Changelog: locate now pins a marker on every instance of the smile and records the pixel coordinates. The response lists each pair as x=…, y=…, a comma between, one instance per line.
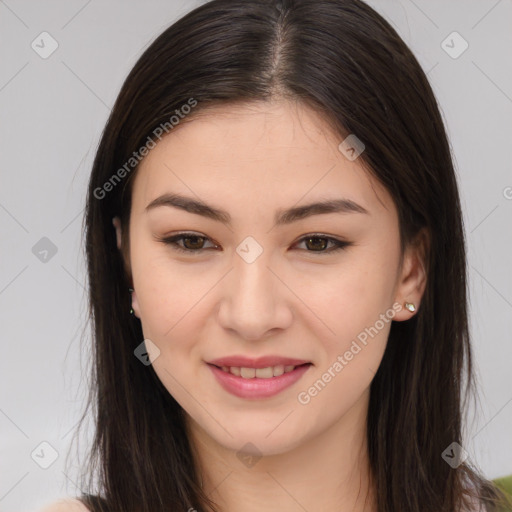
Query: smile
x=256, y=383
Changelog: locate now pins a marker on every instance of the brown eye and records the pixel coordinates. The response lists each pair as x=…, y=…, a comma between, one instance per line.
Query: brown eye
x=319, y=244
x=192, y=243
x=316, y=243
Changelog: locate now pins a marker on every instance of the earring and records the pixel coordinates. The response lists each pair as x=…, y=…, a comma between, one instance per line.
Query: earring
x=410, y=306
x=131, y=290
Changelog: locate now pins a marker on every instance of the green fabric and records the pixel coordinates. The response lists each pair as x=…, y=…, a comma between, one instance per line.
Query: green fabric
x=505, y=484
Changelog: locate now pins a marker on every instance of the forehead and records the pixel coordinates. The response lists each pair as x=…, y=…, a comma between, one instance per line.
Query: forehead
x=278, y=152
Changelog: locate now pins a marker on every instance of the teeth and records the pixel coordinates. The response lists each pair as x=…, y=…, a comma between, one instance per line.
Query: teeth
x=235, y=370
x=279, y=370
x=247, y=373
x=260, y=373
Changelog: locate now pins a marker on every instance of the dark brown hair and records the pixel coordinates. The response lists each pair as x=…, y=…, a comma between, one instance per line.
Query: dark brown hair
x=344, y=60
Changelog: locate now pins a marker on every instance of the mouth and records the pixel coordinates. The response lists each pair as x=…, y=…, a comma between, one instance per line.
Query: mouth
x=257, y=383
x=267, y=372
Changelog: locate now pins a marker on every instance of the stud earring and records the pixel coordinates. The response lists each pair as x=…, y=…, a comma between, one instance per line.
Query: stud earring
x=131, y=290
x=410, y=306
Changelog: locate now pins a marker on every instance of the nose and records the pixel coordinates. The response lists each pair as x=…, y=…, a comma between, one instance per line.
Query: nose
x=254, y=301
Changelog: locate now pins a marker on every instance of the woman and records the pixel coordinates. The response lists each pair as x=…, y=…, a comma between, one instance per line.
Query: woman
x=277, y=273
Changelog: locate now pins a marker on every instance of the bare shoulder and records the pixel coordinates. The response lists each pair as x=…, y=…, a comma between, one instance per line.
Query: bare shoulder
x=65, y=505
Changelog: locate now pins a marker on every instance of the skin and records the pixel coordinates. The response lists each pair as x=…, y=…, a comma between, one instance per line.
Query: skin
x=253, y=160
x=65, y=505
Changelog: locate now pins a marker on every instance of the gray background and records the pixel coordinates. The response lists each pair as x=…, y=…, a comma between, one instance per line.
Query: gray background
x=52, y=113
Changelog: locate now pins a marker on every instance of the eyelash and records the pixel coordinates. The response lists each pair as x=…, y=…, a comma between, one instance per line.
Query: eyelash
x=172, y=241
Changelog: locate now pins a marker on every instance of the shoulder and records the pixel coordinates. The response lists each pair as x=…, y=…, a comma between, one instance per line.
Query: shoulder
x=65, y=505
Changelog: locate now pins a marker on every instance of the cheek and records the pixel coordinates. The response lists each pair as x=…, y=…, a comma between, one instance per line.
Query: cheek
x=351, y=296
x=171, y=296
x=359, y=319
x=168, y=290
x=173, y=305
x=354, y=308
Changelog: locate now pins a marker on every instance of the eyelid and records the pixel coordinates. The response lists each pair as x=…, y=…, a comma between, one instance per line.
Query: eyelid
x=173, y=239
x=338, y=244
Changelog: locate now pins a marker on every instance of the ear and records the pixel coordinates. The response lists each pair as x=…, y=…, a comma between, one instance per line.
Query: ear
x=122, y=245
x=116, y=221
x=413, y=275
x=135, y=304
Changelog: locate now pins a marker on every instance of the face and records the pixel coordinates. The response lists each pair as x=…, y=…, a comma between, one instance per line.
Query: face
x=250, y=280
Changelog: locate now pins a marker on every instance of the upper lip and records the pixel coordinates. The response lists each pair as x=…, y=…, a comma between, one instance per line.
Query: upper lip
x=260, y=362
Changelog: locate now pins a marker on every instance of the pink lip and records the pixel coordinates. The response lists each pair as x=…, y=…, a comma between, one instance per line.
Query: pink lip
x=257, y=388
x=261, y=362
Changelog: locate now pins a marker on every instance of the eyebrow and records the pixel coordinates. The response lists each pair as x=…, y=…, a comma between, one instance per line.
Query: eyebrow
x=282, y=217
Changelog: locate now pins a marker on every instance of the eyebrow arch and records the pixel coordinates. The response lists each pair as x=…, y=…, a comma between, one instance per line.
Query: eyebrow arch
x=282, y=217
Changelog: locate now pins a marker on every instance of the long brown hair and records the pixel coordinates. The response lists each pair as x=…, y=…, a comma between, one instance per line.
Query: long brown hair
x=344, y=60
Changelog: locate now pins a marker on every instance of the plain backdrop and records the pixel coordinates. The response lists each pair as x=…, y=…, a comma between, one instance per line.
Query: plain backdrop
x=52, y=112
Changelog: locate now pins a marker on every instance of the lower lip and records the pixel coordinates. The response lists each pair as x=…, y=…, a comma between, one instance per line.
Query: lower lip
x=257, y=388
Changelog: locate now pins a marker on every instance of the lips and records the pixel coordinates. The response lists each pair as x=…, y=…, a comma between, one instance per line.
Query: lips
x=253, y=387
